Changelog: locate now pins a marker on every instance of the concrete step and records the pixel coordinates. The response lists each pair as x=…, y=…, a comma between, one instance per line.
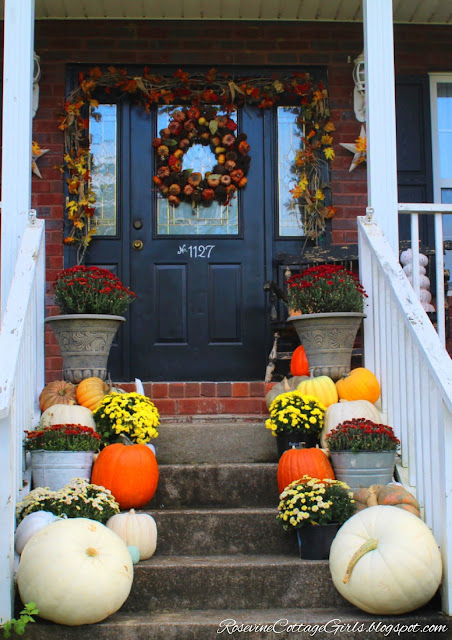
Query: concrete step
x=214, y=440
x=221, y=531
x=221, y=582
x=349, y=623
x=216, y=485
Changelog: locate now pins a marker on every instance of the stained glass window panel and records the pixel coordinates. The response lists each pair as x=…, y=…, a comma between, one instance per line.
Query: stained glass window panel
x=289, y=142
x=103, y=166
x=215, y=219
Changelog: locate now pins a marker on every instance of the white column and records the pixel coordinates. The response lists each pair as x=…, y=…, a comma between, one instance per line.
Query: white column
x=380, y=116
x=16, y=130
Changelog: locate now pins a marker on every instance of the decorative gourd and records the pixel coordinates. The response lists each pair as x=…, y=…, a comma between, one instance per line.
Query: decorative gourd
x=90, y=392
x=389, y=494
x=344, y=410
x=385, y=561
x=359, y=384
x=76, y=571
x=286, y=385
x=136, y=529
x=321, y=387
x=68, y=414
x=299, y=365
x=57, y=392
x=30, y=525
x=295, y=463
x=130, y=472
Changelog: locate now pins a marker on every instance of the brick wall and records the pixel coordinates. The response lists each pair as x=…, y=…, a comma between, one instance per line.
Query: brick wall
x=418, y=50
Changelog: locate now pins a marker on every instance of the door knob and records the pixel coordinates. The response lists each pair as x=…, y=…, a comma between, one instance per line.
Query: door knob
x=137, y=224
x=137, y=245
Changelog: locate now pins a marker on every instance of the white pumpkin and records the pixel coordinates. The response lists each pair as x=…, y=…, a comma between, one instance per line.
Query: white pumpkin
x=385, y=561
x=30, y=525
x=76, y=571
x=347, y=410
x=137, y=530
x=68, y=414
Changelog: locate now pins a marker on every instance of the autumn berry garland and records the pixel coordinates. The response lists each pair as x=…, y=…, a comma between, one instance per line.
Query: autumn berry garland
x=196, y=125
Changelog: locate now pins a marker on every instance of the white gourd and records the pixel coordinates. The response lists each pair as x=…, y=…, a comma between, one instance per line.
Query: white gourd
x=400, y=566
x=30, y=525
x=76, y=571
x=137, y=530
x=344, y=410
x=68, y=414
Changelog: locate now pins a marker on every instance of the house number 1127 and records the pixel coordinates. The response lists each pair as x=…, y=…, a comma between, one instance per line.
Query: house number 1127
x=196, y=251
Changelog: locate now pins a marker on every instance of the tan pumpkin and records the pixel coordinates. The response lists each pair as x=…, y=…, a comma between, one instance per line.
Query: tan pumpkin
x=90, y=392
x=344, y=410
x=57, y=392
x=359, y=384
x=321, y=387
x=390, y=494
x=286, y=384
x=136, y=529
x=68, y=414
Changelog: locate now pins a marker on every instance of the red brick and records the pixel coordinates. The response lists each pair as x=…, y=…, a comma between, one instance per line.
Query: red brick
x=159, y=390
x=269, y=386
x=257, y=389
x=127, y=386
x=224, y=389
x=240, y=389
x=176, y=390
x=193, y=406
x=240, y=405
x=192, y=389
x=208, y=389
x=166, y=406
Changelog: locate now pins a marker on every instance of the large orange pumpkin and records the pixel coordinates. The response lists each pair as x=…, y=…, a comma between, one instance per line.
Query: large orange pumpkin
x=130, y=472
x=90, y=392
x=359, y=384
x=299, y=365
x=295, y=463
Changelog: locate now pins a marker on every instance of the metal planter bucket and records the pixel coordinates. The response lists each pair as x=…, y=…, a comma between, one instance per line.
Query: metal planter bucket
x=54, y=469
x=328, y=340
x=364, y=468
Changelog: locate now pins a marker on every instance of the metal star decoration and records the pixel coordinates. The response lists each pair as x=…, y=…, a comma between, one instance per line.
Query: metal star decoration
x=36, y=153
x=358, y=148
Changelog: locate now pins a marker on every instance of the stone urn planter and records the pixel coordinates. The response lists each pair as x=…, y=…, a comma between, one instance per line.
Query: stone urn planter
x=85, y=341
x=328, y=340
x=364, y=468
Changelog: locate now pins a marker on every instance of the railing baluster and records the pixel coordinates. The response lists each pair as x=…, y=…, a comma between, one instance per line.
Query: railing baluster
x=415, y=252
x=439, y=260
x=404, y=391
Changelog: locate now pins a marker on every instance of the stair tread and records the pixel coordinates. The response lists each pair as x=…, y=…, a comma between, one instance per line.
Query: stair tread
x=207, y=465
x=237, y=560
x=211, y=511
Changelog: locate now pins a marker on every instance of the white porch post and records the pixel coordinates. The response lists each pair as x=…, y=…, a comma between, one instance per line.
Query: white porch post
x=16, y=131
x=380, y=116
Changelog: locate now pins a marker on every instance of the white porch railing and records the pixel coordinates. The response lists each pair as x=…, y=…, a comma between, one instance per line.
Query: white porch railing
x=21, y=380
x=403, y=349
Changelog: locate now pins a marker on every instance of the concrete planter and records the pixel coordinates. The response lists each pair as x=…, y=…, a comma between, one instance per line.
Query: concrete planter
x=328, y=340
x=364, y=468
x=84, y=341
x=54, y=469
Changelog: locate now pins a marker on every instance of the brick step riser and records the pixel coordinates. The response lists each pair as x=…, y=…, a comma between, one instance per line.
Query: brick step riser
x=215, y=442
x=215, y=585
x=227, y=486
x=221, y=533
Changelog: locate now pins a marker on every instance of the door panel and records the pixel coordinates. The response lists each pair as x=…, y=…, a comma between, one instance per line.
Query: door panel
x=199, y=313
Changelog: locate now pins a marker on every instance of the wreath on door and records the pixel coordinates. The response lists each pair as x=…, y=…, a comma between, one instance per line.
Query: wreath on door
x=196, y=125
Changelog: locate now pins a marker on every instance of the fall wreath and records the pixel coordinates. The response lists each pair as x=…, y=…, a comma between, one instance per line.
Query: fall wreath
x=195, y=125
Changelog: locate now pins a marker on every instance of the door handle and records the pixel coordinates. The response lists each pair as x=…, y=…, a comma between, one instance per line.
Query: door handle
x=137, y=245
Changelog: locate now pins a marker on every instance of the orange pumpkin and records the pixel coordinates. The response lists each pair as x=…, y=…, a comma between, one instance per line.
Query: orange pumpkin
x=90, y=392
x=295, y=463
x=130, y=472
x=390, y=494
x=57, y=392
x=299, y=365
x=359, y=384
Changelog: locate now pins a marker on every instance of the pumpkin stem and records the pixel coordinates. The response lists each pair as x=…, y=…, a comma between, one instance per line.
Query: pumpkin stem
x=91, y=552
x=125, y=440
x=286, y=384
x=369, y=545
x=372, y=498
